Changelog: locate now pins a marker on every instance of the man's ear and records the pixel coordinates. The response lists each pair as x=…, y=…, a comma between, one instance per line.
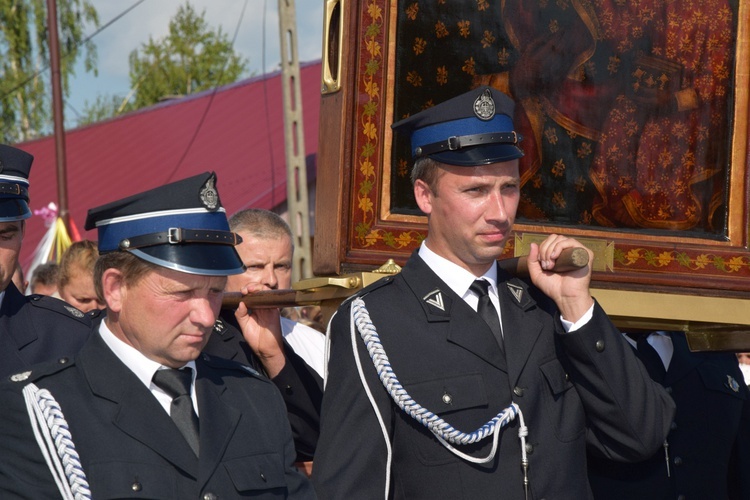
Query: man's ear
x=113, y=289
x=423, y=195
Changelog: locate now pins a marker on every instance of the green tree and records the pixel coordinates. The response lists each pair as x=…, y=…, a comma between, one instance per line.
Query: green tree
x=25, y=85
x=190, y=59
x=104, y=106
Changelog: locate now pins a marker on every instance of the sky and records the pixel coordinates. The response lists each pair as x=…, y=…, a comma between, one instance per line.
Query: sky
x=257, y=39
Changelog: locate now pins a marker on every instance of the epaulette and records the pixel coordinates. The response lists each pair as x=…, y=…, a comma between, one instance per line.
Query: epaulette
x=228, y=364
x=40, y=370
x=58, y=306
x=387, y=280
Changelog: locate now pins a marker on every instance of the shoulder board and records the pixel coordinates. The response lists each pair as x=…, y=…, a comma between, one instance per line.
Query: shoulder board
x=385, y=281
x=41, y=370
x=58, y=306
x=228, y=364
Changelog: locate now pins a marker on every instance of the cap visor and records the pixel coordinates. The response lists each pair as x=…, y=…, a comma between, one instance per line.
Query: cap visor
x=479, y=155
x=206, y=259
x=13, y=209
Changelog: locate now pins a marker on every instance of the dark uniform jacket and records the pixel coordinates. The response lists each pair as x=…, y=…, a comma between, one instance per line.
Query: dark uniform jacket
x=37, y=328
x=709, y=440
x=577, y=389
x=130, y=448
x=300, y=385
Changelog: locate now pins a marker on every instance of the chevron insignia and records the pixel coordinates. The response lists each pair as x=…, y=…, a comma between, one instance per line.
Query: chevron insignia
x=435, y=298
x=516, y=290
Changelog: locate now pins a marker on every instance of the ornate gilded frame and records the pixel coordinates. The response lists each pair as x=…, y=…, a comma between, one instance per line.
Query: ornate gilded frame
x=369, y=231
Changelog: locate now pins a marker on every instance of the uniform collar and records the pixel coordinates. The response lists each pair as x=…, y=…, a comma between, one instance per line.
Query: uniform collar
x=143, y=367
x=456, y=277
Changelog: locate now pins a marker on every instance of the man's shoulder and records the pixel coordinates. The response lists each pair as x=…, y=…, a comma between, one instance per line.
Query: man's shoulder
x=223, y=367
x=37, y=373
x=380, y=288
x=44, y=308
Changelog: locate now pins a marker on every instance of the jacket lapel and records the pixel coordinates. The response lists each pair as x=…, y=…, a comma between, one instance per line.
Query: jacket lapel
x=520, y=330
x=682, y=362
x=221, y=420
x=138, y=413
x=440, y=304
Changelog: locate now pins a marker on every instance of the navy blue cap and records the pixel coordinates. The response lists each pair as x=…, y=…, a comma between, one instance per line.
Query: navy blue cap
x=15, y=166
x=474, y=128
x=180, y=226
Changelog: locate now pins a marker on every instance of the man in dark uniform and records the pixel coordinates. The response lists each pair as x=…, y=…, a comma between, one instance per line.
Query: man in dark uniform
x=456, y=380
x=707, y=452
x=273, y=345
x=34, y=328
x=147, y=415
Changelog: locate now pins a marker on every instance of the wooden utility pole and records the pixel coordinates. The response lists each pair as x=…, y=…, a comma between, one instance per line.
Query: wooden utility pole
x=294, y=141
x=57, y=113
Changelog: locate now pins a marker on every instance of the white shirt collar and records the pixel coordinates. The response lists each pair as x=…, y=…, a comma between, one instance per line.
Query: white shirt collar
x=143, y=367
x=456, y=277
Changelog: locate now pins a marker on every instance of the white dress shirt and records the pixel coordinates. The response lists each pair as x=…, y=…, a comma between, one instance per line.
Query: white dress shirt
x=143, y=367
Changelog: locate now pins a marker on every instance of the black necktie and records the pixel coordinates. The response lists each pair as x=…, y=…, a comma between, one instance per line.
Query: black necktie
x=487, y=311
x=176, y=383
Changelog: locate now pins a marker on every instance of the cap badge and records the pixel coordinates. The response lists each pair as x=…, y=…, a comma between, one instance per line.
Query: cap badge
x=75, y=312
x=484, y=106
x=209, y=195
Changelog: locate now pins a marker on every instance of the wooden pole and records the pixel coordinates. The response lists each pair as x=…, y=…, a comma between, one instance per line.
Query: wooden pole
x=57, y=113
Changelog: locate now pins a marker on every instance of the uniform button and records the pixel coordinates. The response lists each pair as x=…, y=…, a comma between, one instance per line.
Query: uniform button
x=447, y=398
x=136, y=486
x=567, y=377
x=599, y=345
x=529, y=448
x=288, y=389
x=678, y=460
x=209, y=496
x=263, y=477
x=62, y=361
x=518, y=391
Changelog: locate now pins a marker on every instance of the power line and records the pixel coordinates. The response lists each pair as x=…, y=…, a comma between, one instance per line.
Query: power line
x=210, y=100
x=82, y=42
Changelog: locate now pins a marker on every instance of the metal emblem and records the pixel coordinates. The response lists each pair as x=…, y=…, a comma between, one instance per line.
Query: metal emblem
x=484, y=106
x=75, y=312
x=209, y=195
x=516, y=290
x=219, y=326
x=20, y=377
x=435, y=298
x=733, y=384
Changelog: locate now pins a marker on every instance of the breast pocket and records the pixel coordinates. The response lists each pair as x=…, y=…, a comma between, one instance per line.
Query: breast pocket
x=562, y=405
x=257, y=472
x=109, y=480
x=460, y=400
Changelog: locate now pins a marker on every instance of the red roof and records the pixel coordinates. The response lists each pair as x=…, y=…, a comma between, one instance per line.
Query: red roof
x=237, y=131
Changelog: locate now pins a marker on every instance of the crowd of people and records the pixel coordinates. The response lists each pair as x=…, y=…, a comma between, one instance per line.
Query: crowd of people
x=125, y=376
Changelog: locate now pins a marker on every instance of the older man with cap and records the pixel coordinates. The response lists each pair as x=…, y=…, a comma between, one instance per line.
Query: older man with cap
x=140, y=412
x=34, y=328
x=454, y=379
